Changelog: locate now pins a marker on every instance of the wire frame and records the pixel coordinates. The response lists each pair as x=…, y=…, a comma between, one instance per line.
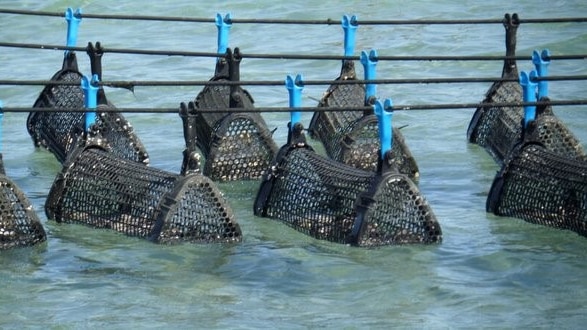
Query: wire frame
x=100, y=190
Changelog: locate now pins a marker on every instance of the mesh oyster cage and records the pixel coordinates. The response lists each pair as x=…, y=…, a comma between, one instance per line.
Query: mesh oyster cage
x=542, y=187
x=498, y=129
x=329, y=200
x=553, y=134
x=97, y=189
x=352, y=137
x=19, y=224
x=236, y=145
x=59, y=132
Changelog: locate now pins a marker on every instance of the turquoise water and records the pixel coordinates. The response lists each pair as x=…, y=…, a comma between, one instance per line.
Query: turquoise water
x=490, y=272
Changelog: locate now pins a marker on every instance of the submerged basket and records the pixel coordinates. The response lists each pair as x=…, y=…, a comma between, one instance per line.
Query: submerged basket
x=352, y=137
x=236, y=145
x=100, y=190
x=498, y=129
x=542, y=187
x=19, y=224
x=58, y=132
x=329, y=200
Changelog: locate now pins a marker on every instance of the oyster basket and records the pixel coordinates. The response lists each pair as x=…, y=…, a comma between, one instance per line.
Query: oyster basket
x=236, y=145
x=19, y=224
x=553, y=134
x=498, y=129
x=352, y=137
x=59, y=132
x=99, y=189
x=542, y=187
x=329, y=200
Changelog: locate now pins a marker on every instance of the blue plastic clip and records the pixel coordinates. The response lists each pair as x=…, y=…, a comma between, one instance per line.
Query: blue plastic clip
x=73, y=20
x=294, y=87
x=369, y=62
x=349, y=26
x=223, y=26
x=90, y=89
x=542, y=62
x=383, y=111
x=528, y=83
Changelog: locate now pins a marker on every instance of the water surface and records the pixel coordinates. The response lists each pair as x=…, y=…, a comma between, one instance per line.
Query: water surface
x=490, y=272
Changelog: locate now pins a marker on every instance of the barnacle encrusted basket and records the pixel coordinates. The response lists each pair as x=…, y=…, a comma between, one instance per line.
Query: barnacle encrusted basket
x=352, y=137
x=329, y=200
x=542, y=187
x=236, y=145
x=59, y=132
x=19, y=224
x=98, y=189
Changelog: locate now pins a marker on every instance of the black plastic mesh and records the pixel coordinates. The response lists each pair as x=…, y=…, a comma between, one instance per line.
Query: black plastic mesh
x=329, y=200
x=541, y=187
x=59, y=132
x=352, y=137
x=100, y=190
x=502, y=134
x=238, y=145
x=498, y=129
x=397, y=214
x=19, y=223
x=357, y=142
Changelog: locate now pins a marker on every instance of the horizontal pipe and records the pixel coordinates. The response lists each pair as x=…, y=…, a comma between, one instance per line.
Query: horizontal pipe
x=398, y=107
x=129, y=84
x=296, y=56
x=327, y=21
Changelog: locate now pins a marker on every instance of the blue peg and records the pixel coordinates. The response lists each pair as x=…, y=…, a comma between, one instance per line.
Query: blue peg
x=223, y=26
x=90, y=89
x=369, y=62
x=383, y=111
x=542, y=62
x=528, y=83
x=349, y=26
x=294, y=87
x=73, y=20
